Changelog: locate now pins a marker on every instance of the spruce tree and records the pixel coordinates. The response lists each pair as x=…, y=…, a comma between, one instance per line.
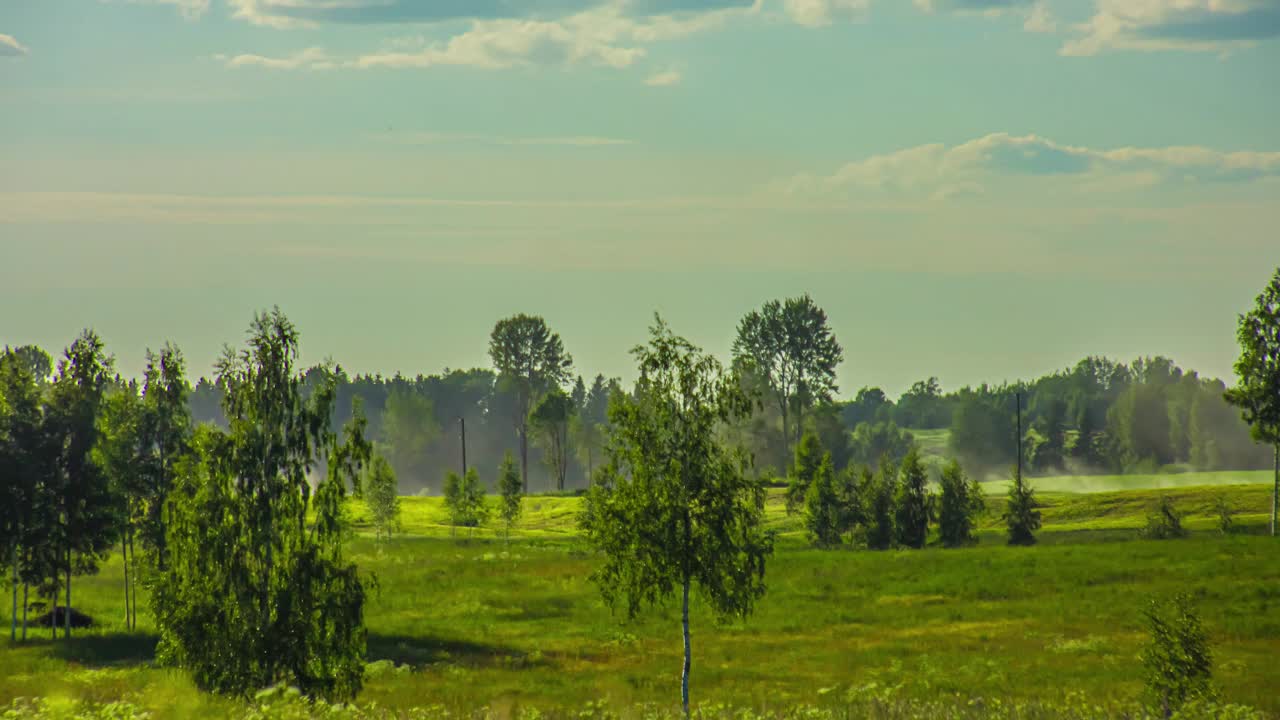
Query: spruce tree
x=959, y=504
x=808, y=460
x=822, y=510
x=879, y=499
x=911, y=502
x=1021, y=515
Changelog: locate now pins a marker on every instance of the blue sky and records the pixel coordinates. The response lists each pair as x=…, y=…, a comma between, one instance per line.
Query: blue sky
x=974, y=189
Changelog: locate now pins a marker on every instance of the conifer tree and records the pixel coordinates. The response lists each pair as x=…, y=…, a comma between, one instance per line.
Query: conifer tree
x=911, y=502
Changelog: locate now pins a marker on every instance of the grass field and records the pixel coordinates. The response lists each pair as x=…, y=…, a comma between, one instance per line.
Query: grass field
x=477, y=625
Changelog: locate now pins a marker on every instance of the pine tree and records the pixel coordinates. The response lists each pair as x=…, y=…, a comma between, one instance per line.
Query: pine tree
x=959, y=505
x=808, y=460
x=822, y=511
x=1021, y=515
x=911, y=502
x=879, y=498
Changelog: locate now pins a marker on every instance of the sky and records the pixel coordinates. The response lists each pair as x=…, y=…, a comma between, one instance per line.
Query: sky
x=978, y=190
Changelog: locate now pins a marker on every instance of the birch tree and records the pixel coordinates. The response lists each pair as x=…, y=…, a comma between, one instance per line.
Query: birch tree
x=257, y=590
x=1258, y=370
x=675, y=510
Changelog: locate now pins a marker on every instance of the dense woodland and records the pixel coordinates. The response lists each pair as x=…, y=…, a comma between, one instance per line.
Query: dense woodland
x=1097, y=416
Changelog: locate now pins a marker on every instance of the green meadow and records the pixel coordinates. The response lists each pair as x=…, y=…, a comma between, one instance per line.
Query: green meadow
x=468, y=623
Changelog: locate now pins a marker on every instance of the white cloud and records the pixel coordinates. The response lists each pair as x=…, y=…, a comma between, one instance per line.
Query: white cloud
x=313, y=58
x=1197, y=25
x=1036, y=14
x=940, y=171
x=819, y=13
x=430, y=138
x=602, y=36
x=190, y=9
x=1040, y=19
x=9, y=47
x=663, y=79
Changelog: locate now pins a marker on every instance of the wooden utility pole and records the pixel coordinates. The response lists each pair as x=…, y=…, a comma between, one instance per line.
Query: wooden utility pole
x=462, y=424
x=1018, y=399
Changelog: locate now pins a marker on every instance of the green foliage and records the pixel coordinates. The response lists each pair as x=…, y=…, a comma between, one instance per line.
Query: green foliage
x=790, y=346
x=550, y=420
x=874, y=440
x=257, y=590
x=983, y=432
x=1021, y=516
x=809, y=457
x=509, y=490
x=1226, y=515
x=1164, y=522
x=409, y=427
x=531, y=361
x=823, y=511
x=1177, y=661
x=879, y=493
x=85, y=497
x=923, y=406
x=381, y=494
x=1258, y=366
x=464, y=499
x=960, y=502
x=675, y=508
x=911, y=503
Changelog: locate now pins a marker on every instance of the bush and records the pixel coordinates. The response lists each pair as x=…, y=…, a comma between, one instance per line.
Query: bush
x=1226, y=516
x=1177, y=660
x=1164, y=522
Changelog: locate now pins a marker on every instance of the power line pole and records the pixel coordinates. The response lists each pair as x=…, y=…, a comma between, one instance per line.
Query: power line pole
x=1018, y=399
x=462, y=424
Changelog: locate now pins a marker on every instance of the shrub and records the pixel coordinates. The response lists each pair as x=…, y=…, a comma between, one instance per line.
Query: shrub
x=1177, y=660
x=1164, y=521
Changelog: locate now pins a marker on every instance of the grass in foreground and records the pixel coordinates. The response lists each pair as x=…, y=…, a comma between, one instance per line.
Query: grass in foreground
x=480, y=626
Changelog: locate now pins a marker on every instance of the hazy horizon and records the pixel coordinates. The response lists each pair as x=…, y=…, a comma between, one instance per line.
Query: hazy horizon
x=979, y=191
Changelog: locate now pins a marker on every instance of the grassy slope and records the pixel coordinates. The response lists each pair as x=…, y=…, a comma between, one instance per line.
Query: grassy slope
x=474, y=625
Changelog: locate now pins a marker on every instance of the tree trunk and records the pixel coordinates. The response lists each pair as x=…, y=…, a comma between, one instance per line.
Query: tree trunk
x=124, y=554
x=684, y=676
x=66, y=612
x=133, y=612
x=524, y=457
x=24, y=612
x=13, y=626
x=786, y=438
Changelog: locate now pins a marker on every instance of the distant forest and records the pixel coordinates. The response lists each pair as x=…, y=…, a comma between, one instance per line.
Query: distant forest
x=1098, y=416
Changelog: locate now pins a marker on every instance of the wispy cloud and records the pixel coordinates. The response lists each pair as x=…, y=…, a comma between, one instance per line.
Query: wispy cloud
x=1197, y=25
x=431, y=138
x=664, y=79
x=9, y=47
x=1037, y=17
x=312, y=58
x=190, y=9
x=820, y=13
x=951, y=171
x=604, y=36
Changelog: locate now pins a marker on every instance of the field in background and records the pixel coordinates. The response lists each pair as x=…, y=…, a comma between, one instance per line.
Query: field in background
x=477, y=624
